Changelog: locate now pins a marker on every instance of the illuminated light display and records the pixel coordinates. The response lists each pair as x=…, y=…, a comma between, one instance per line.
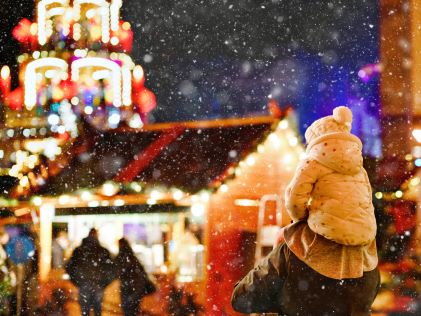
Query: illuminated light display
x=114, y=41
x=43, y=15
x=127, y=86
x=5, y=72
x=115, y=14
x=138, y=73
x=102, y=63
x=76, y=31
x=104, y=11
x=81, y=78
x=126, y=26
x=33, y=29
x=101, y=74
x=31, y=76
x=55, y=11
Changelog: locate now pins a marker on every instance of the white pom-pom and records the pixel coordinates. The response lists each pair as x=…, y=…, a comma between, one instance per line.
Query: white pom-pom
x=342, y=115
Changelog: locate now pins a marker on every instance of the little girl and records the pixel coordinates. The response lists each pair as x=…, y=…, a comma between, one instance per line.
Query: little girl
x=326, y=262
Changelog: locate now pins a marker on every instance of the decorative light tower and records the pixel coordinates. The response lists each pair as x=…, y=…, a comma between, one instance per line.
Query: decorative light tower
x=74, y=66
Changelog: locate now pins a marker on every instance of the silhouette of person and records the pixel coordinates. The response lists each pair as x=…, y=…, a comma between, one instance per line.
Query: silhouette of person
x=91, y=269
x=134, y=281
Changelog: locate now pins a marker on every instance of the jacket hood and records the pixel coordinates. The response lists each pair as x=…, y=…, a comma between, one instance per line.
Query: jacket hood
x=340, y=151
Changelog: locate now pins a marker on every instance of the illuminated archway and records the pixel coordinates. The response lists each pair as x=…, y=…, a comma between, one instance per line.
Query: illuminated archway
x=127, y=85
x=31, y=78
x=115, y=14
x=105, y=64
x=43, y=13
x=105, y=15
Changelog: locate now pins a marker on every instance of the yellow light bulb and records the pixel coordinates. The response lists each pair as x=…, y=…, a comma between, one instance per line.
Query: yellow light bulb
x=126, y=26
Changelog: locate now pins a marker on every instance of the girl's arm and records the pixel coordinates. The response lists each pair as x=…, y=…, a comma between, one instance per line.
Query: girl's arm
x=298, y=192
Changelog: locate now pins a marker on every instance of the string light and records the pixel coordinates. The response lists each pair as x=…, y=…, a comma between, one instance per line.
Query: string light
x=5, y=72
x=251, y=160
x=115, y=14
x=138, y=73
x=224, y=188
x=283, y=124
x=93, y=203
x=42, y=16
x=101, y=74
x=126, y=25
x=136, y=121
x=105, y=21
x=127, y=86
x=86, y=195
x=150, y=201
x=178, y=195
x=88, y=110
x=64, y=199
x=417, y=134
x=55, y=12
x=414, y=181
x=119, y=202
x=109, y=189
x=198, y=209
x=77, y=31
x=114, y=41
x=37, y=201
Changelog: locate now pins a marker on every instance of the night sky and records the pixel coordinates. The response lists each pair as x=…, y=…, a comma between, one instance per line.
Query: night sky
x=222, y=58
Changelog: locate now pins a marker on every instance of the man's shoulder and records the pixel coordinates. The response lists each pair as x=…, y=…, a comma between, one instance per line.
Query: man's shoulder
x=104, y=251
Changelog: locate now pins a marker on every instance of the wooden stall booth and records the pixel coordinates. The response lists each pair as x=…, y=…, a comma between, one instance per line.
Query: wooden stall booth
x=167, y=171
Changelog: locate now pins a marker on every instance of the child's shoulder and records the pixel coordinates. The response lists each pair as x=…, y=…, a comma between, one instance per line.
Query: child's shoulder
x=313, y=164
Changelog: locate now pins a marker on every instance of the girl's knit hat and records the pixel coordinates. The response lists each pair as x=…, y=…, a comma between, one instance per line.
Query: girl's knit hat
x=340, y=121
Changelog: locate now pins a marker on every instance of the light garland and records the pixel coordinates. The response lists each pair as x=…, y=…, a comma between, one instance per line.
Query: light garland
x=127, y=86
x=5, y=72
x=104, y=11
x=103, y=63
x=115, y=14
x=101, y=74
x=42, y=18
x=55, y=12
x=277, y=140
x=138, y=73
x=31, y=76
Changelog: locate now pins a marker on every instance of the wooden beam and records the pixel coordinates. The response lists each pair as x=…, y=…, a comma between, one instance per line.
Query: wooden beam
x=203, y=124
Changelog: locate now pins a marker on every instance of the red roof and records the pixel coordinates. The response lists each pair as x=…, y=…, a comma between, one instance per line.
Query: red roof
x=189, y=155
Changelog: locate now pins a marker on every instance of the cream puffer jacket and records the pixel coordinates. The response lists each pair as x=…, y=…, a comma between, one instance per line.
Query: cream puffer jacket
x=332, y=189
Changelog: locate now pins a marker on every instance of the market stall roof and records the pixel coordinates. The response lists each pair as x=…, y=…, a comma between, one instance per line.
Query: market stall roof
x=187, y=155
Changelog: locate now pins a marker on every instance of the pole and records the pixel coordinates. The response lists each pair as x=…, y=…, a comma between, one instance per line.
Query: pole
x=19, y=284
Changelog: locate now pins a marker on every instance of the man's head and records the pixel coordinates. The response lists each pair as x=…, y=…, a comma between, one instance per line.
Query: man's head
x=93, y=233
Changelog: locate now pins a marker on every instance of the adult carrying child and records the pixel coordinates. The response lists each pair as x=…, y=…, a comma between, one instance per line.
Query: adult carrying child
x=326, y=260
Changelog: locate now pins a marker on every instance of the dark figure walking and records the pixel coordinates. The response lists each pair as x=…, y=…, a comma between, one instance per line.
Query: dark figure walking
x=134, y=281
x=91, y=269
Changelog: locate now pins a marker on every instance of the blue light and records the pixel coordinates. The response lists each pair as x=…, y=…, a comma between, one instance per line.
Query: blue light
x=418, y=162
